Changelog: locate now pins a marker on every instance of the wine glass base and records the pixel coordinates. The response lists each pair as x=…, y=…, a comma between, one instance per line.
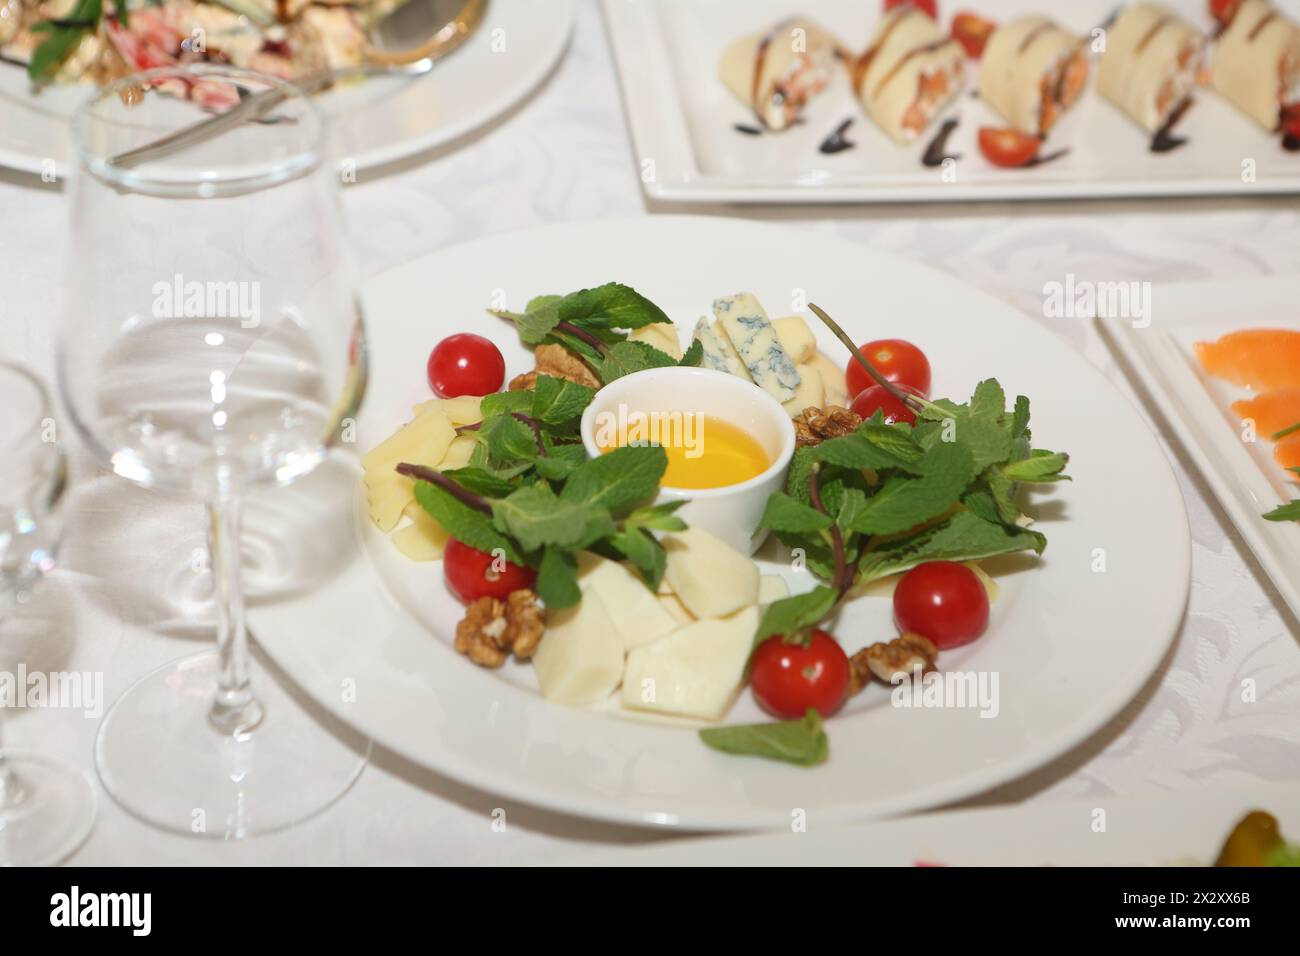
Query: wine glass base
x=163, y=761
x=50, y=815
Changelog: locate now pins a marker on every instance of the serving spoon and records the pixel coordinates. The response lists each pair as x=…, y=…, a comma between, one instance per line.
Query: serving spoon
x=405, y=42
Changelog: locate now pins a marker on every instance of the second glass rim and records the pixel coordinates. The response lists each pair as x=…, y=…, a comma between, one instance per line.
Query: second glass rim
x=200, y=185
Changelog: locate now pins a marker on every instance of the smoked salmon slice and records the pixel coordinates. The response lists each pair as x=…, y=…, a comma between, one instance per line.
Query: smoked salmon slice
x=1257, y=358
x=1271, y=411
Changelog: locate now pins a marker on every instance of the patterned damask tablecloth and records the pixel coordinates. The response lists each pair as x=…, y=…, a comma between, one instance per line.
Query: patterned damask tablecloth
x=118, y=605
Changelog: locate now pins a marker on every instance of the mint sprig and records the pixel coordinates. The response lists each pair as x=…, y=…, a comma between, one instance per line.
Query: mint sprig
x=802, y=742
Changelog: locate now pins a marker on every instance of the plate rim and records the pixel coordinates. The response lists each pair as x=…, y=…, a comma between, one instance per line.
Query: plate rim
x=942, y=792
x=373, y=159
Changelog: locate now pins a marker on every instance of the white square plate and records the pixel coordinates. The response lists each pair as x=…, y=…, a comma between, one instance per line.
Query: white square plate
x=1198, y=407
x=688, y=150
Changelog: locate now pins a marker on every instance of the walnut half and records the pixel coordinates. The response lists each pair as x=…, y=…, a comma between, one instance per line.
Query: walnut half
x=816, y=425
x=909, y=654
x=492, y=630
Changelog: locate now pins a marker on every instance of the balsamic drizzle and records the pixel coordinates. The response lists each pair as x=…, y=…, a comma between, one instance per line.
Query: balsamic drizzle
x=836, y=142
x=1164, y=140
x=936, y=154
x=1044, y=158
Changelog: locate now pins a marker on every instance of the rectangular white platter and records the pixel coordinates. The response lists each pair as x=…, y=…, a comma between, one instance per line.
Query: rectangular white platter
x=683, y=120
x=1243, y=475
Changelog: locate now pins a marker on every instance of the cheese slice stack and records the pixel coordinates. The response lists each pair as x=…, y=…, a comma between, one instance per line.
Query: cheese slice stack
x=909, y=72
x=1151, y=63
x=1033, y=71
x=1257, y=62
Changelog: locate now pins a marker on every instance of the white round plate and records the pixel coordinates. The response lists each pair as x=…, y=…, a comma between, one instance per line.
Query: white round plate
x=1073, y=638
x=376, y=121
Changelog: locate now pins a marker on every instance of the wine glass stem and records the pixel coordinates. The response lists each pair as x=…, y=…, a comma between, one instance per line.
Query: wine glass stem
x=235, y=710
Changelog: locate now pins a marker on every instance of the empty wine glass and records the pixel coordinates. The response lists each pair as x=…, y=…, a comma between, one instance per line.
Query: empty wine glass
x=212, y=342
x=46, y=807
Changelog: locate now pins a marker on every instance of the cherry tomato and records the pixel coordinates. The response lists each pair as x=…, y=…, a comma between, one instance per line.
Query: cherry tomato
x=1224, y=10
x=898, y=361
x=972, y=31
x=788, y=678
x=472, y=574
x=930, y=7
x=877, y=399
x=943, y=601
x=1008, y=147
x=1290, y=118
x=465, y=364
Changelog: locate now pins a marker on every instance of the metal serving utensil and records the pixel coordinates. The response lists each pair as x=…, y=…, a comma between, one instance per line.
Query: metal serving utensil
x=406, y=42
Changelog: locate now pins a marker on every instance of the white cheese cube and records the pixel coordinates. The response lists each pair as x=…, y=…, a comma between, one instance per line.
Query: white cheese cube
x=580, y=659
x=833, y=381
x=710, y=577
x=638, y=616
x=772, y=588
x=809, y=394
x=674, y=606
x=695, y=671
x=661, y=335
x=796, y=338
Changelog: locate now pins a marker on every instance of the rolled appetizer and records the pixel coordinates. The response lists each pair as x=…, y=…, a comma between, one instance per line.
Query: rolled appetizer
x=1257, y=62
x=911, y=70
x=1033, y=72
x=777, y=72
x=1150, y=68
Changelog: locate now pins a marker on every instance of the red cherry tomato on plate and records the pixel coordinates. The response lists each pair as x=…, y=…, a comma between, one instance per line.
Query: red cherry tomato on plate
x=465, y=364
x=1008, y=148
x=1291, y=120
x=972, y=31
x=878, y=399
x=787, y=679
x=943, y=601
x=896, y=360
x=930, y=7
x=472, y=574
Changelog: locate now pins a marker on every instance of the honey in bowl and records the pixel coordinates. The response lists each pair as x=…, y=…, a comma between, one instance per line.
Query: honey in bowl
x=707, y=452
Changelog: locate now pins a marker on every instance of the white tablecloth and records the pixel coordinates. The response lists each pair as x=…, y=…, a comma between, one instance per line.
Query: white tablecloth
x=564, y=154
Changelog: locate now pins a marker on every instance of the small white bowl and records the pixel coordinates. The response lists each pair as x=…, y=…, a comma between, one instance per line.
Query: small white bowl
x=732, y=512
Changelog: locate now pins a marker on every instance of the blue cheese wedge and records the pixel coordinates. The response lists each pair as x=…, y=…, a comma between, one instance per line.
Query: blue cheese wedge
x=718, y=353
x=742, y=319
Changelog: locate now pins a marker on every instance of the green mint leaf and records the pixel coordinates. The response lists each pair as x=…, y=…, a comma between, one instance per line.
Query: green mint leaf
x=872, y=446
x=560, y=461
x=557, y=579
x=788, y=516
x=801, y=466
x=853, y=502
x=790, y=615
x=646, y=554
x=480, y=481
x=989, y=400
x=802, y=742
x=557, y=400
x=1284, y=854
x=536, y=517
x=1040, y=466
x=464, y=523
x=982, y=504
x=658, y=517
x=610, y=306
x=1289, y=512
x=1003, y=491
x=625, y=358
x=904, y=503
x=504, y=403
x=1020, y=418
x=623, y=477
x=693, y=354
x=537, y=323
x=49, y=56
x=963, y=537
x=579, y=347
x=507, y=439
